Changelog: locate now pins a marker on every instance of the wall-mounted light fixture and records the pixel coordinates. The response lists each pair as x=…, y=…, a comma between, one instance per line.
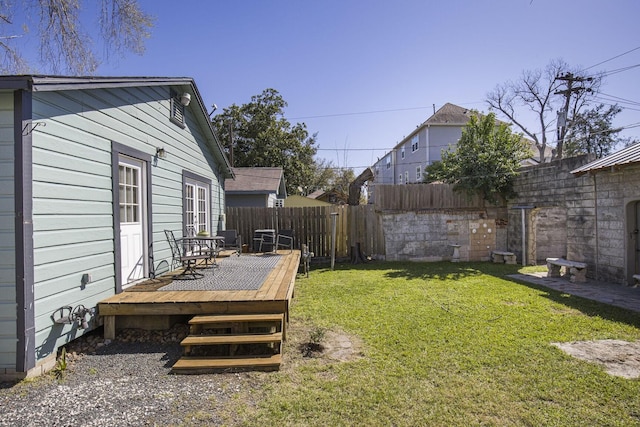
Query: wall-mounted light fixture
x=185, y=99
x=161, y=153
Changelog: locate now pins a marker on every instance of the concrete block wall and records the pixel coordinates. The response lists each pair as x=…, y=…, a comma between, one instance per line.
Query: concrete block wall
x=428, y=235
x=588, y=218
x=617, y=193
x=557, y=204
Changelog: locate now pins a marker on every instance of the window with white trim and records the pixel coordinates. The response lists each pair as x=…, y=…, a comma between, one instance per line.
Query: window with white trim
x=406, y=177
x=400, y=179
x=389, y=162
x=402, y=152
x=419, y=174
x=414, y=143
x=196, y=205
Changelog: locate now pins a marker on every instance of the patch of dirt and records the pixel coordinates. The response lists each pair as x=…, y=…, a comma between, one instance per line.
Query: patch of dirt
x=335, y=346
x=342, y=347
x=619, y=358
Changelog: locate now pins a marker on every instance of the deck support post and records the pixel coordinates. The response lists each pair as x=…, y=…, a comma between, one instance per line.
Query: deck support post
x=109, y=327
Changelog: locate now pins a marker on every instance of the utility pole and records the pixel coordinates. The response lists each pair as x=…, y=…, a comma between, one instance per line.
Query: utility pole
x=563, y=115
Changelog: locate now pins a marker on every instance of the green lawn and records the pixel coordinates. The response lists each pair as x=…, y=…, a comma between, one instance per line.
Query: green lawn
x=445, y=345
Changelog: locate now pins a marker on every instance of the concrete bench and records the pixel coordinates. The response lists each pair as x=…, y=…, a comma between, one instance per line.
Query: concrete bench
x=502, y=257
x=577, y=271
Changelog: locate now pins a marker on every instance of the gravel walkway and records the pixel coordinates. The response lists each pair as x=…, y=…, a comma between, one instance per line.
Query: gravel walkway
x=121, y=383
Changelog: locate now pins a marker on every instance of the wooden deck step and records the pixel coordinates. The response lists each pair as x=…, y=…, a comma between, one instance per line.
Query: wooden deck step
x=196, y=365
x=266, y=320
x=192, y=340
x=226, y=318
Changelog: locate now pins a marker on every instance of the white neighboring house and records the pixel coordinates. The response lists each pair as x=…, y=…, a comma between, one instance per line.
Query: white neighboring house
x=406, y=162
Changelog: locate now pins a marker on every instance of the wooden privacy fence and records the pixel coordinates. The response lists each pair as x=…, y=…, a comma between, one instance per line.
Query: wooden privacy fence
x=313, y=226
x=412, y=197
x=354, y=224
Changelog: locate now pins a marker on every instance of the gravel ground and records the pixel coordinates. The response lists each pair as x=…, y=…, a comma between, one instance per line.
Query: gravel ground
x=121, y=383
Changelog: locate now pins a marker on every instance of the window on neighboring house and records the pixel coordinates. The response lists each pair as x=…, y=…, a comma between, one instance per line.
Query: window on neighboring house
x=406, y=177
x=279, y=203
x=176, y=110
x=400, y=179
x=419, y=174
x=414, y=143
x=388, y=162
x=402, y=152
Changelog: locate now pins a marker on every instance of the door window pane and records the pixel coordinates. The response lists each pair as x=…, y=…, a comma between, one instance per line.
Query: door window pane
x=129, y=193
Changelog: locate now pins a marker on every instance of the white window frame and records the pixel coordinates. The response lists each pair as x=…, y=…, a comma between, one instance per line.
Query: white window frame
x=388, y=162
x=406, y=177
x=415, y=143
x=400, y=179
x=197, y=205
x=402, y=152
x=418, y=173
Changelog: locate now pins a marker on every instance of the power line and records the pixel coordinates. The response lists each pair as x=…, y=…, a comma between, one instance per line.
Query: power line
x=619, y=99
x=375, y=111
x=611, y=59
x=357, y=113
x=354, y=149
x=608, y=102
x=619, y=70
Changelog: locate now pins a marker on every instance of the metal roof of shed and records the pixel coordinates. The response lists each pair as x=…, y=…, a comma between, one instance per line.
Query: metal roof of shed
x=625, y=156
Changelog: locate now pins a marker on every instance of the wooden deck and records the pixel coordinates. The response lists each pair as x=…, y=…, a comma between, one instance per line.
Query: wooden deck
x=273, y=297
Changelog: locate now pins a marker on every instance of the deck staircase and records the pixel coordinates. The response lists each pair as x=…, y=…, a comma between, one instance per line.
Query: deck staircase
x=232, y=341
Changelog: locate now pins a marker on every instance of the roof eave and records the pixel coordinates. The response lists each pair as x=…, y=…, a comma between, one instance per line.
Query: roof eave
x=44, y=83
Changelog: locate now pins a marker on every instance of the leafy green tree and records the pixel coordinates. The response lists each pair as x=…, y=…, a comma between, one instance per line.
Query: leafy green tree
x=341, y=180
x=434, y=172
x=64, y=45
x=262, y=137
x=485, y=160
x=591, y=132
x=323, y=175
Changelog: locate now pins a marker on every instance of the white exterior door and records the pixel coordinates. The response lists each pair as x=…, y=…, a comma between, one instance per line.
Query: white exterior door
x=196, y=203
x=132, y=188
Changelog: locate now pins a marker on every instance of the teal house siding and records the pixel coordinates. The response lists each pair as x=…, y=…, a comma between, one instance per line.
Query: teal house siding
x=81, y=130
x=8, y=337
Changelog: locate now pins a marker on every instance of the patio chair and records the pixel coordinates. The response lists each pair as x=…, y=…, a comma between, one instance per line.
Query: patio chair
x=285, y=239
x=264, y=240
x=203, y=244
x=232, y=240
x=183, y=256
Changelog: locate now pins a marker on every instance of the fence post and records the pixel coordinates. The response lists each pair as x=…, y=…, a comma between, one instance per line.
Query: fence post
x=333, y=238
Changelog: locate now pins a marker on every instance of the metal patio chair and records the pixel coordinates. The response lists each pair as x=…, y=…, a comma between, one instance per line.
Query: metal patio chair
x=232, y=241
x=184, y=256
x=285, y=239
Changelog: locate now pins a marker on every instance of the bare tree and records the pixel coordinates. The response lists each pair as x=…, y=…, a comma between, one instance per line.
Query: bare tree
x=64, y=45
x=540, y=92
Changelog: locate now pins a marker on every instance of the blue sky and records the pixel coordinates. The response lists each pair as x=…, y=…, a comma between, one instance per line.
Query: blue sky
x=363, y=74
